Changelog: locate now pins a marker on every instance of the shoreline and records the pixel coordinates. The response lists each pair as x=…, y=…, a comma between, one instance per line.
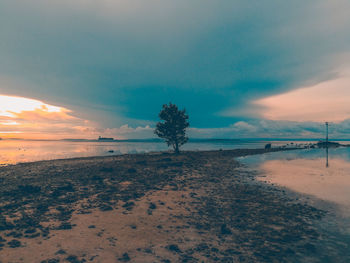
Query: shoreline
x=161, y=207
x=235, y=152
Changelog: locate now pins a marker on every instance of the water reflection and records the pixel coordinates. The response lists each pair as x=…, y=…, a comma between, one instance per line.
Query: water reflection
x=323, y=173
x=15, y=151
x=310, y=177
x=12, y=152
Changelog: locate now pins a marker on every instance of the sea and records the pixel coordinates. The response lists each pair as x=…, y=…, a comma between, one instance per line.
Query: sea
x=321, y=175
x=19, y=151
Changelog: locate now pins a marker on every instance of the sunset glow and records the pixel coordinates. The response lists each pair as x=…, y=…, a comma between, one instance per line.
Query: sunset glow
x=9, y=105
x=326, y=101
x=34, y=119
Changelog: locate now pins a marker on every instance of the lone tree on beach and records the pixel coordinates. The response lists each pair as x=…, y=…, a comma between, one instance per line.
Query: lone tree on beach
x=173, y=127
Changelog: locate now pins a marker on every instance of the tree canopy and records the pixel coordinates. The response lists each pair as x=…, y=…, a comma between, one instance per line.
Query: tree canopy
x=172, y=126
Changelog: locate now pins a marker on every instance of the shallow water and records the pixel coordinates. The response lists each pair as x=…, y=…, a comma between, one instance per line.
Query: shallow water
x=314, y=172
x=16, y=151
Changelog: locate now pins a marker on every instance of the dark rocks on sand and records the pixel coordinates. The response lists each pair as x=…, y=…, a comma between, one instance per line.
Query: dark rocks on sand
x=152, y=206
x=64, y=226
x=74, y=259
x=107, y=169
x=132, y=170
x=105, y=207
x=173, y=248
x=165, y=160
x=124, y=258
x=225, y=230
x=30, y=230
x=29, y=189
x=14, y=243
x=15, y=234
x=4, y=224
x=60, y=252
x=129, y=205
x=51, y=260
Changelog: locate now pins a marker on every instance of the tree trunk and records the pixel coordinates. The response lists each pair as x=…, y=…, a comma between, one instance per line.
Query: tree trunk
x=176, y=148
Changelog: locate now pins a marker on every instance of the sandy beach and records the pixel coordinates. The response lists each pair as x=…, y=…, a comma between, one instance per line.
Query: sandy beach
x=159, y=207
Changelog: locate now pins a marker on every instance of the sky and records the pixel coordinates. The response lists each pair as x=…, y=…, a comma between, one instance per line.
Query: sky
x=242, y=69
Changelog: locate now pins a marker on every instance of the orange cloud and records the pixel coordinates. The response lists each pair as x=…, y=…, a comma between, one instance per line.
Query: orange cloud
x=326, y=101
x=36, y=119
x=43, y=114
x=33, y=119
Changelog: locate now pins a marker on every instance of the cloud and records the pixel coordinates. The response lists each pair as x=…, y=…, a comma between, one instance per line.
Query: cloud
x=275, y=129
x=117, y=62
x=43, y=115
x=127, y=132
x=33, y=118
x=326, y=101
x=272, y=129
x=29, y=118
x=243, y=126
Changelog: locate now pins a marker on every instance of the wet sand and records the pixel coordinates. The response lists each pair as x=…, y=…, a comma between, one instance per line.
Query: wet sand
x=194, y=207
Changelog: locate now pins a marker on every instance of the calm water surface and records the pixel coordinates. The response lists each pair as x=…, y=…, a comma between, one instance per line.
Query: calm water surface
x=312, y=172
x=16, y=151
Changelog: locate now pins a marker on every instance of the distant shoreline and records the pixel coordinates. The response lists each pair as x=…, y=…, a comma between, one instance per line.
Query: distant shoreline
x=15, y=151
x=191, y=140
x=234, y=153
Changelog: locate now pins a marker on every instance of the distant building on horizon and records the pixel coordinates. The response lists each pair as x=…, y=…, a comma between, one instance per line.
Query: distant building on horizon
x=105, y=139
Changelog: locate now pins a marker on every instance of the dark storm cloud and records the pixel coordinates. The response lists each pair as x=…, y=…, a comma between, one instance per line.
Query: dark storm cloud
x=117, y=62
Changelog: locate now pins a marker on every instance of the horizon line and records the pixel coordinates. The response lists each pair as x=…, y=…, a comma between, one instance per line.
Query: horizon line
x=190, y=139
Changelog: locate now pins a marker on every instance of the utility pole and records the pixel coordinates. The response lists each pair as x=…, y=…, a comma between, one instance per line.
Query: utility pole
x=327, y=164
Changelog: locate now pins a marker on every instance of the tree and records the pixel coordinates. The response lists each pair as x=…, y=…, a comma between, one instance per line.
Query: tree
x=173, y=127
